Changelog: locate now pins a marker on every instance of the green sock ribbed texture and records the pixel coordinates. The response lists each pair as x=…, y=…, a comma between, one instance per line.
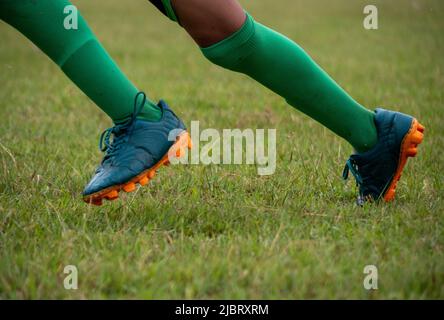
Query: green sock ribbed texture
x=284, y=67
x=78, y=53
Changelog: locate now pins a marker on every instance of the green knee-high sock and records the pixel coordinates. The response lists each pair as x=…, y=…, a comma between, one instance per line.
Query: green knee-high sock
x=281, y=65
x=78, y=53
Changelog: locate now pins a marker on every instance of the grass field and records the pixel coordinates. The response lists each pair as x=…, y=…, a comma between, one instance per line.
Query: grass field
x=223, y=231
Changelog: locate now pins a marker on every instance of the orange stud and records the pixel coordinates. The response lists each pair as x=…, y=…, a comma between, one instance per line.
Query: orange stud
x=96, y=202
x=129, y=187
x=166, y=163
x=190, y=143
x=417, y=137
x=412, y=152
x=151, y=174
x=112, y=195
x=144, y=181
x=421, y=128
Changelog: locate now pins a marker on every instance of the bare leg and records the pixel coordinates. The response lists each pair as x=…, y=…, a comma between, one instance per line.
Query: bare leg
x=209, y=21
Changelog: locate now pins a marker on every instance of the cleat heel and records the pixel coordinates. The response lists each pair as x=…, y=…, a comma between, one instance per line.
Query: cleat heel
x=408, y=150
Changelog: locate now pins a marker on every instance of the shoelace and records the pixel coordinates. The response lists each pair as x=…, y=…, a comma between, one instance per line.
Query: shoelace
x=351, y=166
x=105, y=144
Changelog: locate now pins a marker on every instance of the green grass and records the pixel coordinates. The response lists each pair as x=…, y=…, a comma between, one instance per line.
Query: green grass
x=223, y=231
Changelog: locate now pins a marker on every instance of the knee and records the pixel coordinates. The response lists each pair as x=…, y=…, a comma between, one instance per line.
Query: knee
x=232, y=51
x=209, y=22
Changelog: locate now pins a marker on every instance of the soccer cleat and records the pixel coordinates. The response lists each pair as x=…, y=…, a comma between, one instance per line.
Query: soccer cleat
x=378, y=170
x=138, y=148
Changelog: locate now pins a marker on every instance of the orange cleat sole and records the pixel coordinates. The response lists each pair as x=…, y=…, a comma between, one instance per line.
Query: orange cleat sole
x=409, y=148
x=177, y=150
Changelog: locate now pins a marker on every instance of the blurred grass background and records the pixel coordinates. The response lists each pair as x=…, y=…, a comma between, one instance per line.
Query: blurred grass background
x=218, y=231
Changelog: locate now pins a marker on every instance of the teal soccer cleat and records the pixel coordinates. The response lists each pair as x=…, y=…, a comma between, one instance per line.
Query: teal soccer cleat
x=378, y=170
x=137, y=150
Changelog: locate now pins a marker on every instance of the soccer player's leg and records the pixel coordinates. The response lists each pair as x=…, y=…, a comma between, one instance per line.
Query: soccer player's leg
x=140, y=142
x=231, y=38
